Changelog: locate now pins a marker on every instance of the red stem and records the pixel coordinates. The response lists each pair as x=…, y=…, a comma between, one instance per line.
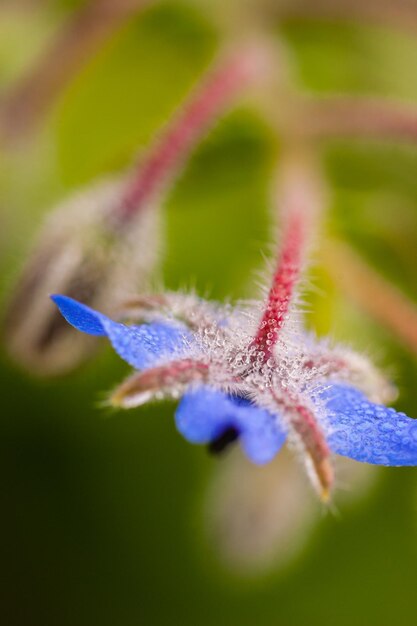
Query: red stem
x=174, y=145
x=300, y=201
x=283, y=283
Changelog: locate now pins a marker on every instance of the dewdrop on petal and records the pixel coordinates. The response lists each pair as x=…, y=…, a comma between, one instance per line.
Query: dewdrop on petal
x=81, y=253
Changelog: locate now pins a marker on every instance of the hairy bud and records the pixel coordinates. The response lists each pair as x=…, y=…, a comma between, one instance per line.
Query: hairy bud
x=261, y=518
x=79, y=252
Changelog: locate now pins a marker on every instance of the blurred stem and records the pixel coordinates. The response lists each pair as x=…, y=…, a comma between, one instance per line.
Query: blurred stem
x=214, y=93
x=74, y=44
x=358, y=116
x=243, y=14
x=18, y=6
x=300, y=118
x=398, y=14
x=376, y=296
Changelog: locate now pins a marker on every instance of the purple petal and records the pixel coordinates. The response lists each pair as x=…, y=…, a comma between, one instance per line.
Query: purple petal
x=368, y=432
x=205, y=414
x=140, y=345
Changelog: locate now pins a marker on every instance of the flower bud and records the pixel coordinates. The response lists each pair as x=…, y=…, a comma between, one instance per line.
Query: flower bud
x=79, y=253
x=261, y=517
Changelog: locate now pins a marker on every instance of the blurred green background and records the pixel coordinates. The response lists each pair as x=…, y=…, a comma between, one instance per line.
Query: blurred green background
x=101, y=517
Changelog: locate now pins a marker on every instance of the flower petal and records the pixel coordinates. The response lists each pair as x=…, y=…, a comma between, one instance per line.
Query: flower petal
x=80, y=316
x=204, y=414
x=368, y=432
x=140, y=346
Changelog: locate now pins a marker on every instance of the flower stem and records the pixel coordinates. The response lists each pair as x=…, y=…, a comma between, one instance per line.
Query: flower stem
x=401, y=14
x=299, y=200
x=205, y=104
x=365, y=117
x=284, y=281
x=73, y=45
x=376, y=296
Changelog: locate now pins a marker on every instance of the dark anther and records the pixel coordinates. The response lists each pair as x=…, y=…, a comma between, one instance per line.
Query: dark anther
x=223, y=441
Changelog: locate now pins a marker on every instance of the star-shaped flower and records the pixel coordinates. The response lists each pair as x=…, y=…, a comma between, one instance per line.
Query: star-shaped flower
x=252, y=373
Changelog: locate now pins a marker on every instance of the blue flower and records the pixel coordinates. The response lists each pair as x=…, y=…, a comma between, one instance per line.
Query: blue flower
x=305, y=394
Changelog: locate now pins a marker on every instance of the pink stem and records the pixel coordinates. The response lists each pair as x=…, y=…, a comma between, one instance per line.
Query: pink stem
x=300, y=202
x=174, y=145
x=283, y=283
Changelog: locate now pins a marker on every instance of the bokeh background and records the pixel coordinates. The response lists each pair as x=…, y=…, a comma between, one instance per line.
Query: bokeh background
x=101, y=516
